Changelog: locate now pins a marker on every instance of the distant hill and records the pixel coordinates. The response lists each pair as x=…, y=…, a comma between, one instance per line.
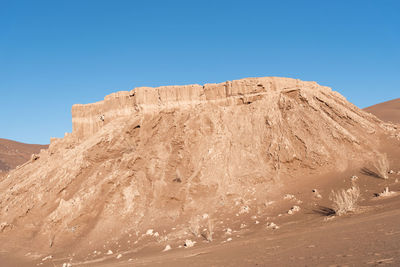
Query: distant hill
x=14, y=153
x=386, y=111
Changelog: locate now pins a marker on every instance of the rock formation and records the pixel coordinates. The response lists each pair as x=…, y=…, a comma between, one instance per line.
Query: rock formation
x=170, y=152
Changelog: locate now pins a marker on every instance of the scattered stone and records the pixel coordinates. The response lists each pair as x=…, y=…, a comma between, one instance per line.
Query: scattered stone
x=257, y=222
x=228, y=231
x=316, y=193
x=386, y=193
x=271, y=225
x=109, y=252
x=4, y=225
x=354, y=178
x=244, y=209
x=268, y=203
x=189, y=243
x=167, y=247
x=329, y=218
x=229, y=239
x=47, y=258
x=149, y=232
x=288, y=196
x=119, y=256
x=66, y=264
x=293, y=210
x=391, y=171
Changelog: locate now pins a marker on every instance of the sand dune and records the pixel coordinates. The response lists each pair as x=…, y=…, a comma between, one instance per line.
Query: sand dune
x=387, y=111
x=14, y=153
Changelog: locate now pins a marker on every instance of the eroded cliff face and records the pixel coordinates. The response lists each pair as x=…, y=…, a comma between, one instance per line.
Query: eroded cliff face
x=169, y=153
x=88, y=119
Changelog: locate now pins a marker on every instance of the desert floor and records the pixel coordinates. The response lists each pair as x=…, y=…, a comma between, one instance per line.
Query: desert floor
x=368, y=237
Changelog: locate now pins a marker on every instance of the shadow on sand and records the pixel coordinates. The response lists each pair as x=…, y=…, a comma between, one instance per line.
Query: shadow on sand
x=371, y=173
x=324, y=211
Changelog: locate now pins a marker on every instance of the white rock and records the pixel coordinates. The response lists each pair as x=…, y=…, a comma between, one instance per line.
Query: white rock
x=354, y=178
x=167, y=247
x=149, y=232
x=293, y=210
x=288, y=196
x=109, y=252
x=189, y=243
x=271, y=225
x=47, y=258
x=244, y=209
x=268, y=203
x=119, y=256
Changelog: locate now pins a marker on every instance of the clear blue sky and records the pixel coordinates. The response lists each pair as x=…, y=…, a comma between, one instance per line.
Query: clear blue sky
x=57, y=53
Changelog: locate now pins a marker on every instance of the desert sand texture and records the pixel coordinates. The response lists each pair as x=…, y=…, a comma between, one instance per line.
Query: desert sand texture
x=14, y=153
x=386, y=111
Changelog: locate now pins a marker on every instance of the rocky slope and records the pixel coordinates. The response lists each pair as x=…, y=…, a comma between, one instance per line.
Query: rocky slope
x=172, y=153
x=14, y=153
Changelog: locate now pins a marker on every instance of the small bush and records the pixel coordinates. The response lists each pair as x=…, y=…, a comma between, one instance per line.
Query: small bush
x=381, y=164
x=210, y=231
x=345, y=200
x=386, y=193
x=194, y=226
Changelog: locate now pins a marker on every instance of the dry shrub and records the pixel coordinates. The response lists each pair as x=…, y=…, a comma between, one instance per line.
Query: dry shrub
x=208, y=235
x=381, y=165
x=345, y=200
x=194, y=226
x=386, y=193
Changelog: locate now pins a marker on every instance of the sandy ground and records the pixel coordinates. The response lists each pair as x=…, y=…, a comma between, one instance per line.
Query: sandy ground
x=370, y=238
x=367, y=237
x=14, y=153
x=387, y=111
